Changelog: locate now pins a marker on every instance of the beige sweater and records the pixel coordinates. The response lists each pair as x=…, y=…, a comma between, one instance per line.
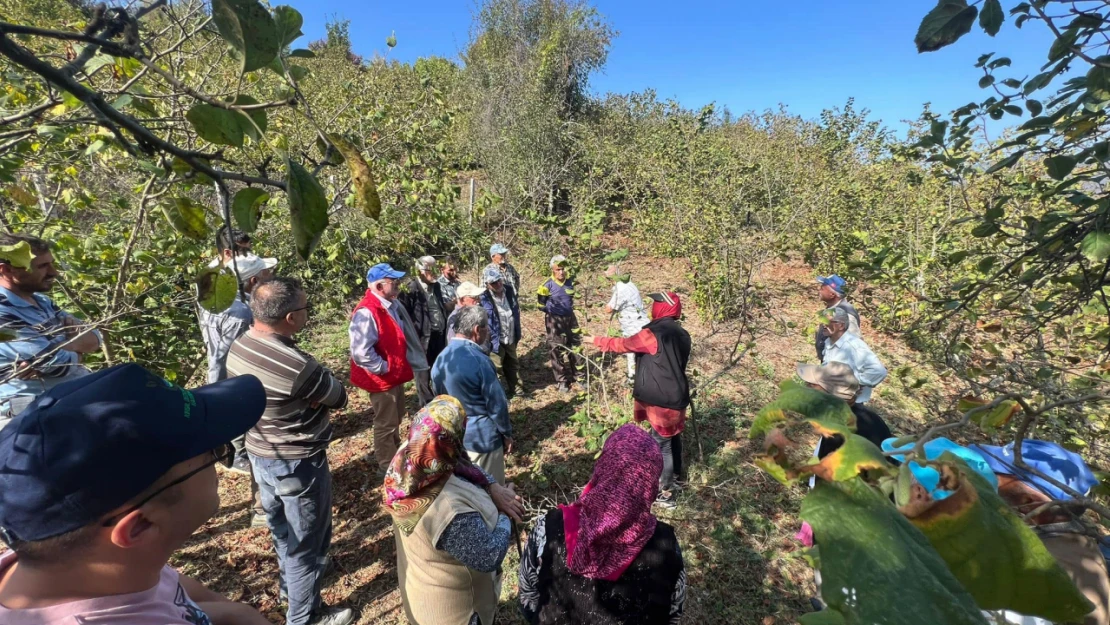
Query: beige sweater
x=437, y=589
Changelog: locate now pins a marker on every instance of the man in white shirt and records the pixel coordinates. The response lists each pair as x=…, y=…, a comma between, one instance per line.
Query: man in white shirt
x=842, y=346
x=831, y=293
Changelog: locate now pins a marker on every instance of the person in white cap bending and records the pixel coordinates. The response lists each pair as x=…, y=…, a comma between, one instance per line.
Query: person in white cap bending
x=556, y=300
x=499, y=254
x=628, y=305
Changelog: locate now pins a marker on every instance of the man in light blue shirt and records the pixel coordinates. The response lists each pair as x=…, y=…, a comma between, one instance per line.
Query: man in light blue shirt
x=45, y=343
x=465, y=372
x=843, y=346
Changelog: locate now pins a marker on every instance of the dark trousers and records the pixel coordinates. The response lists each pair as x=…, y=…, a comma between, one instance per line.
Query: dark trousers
x=507, y=363
x=436, y=343
x=297, y=497
x=672, y=459
x=423, y=381
x=561, y=341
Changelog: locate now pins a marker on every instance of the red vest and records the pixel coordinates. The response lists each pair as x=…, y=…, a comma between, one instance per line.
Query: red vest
x=390, y=346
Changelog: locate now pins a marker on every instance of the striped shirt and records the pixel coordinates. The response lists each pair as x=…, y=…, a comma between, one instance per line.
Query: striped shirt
x=299, y=392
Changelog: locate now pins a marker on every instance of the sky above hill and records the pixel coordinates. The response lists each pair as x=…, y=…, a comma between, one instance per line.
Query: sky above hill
x=806, y=55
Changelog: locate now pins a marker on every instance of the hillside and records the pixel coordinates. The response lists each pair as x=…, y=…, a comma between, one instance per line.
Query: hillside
x=734, y=521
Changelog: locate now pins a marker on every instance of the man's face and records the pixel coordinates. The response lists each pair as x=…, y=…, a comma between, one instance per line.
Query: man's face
x=183, y=508
x=827, y=293
x=836, y=330
x=481, y=334
x=298, y=319
x=497, y=287
x=500, y=259
x=559, y=272
x=468, y=301
x=450, y=271
x=259, y=278
x=241, y=249
x=39, y=278
x=387, y=288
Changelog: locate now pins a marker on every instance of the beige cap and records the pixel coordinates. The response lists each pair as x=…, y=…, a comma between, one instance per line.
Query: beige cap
x=469, y=289
x=836, y=378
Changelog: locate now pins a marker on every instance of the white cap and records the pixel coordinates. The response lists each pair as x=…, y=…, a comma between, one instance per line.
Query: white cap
x=469, y=289
x=558, y=259
x=251, y=265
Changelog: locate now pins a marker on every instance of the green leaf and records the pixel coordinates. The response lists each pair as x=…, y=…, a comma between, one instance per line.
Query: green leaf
x=216, y=125
x=1096, y=246
x=1034, y=107
x=875, y=563
x=1062, y=46
x=804, y=401
x=937, y=130
x=308, y=208
x=1059, y=166
x=1037, y=82
x=1098, y=80
x=985, y=229
x=1007, y=162
x=944, y=25
x=247, y=207
x=288, y=22
x=391, y=40
x=994, y=554
x=362, y=179
x=249, y=28
x=18, y=255
x=1012, y=109
x=855, y=455
x=257, y=115
x=1012, y=83
x=824, y=617
x=187, y=217
x=216, y=289
x=302, y=53
x=991, y=17
x=297, y=72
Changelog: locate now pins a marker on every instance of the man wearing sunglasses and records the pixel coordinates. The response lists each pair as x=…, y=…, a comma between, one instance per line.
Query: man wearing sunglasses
x=101, y=479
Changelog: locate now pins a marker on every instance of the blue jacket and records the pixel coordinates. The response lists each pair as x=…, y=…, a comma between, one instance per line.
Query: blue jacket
x=495, y=319
x=466, y=373
x=556, y=299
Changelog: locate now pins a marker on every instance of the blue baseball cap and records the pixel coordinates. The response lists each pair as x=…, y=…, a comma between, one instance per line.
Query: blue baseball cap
x=383, y=271
x=492, y=273
x=90, y=445
x=1049, y=458
x=836, y=282
x=498, y=248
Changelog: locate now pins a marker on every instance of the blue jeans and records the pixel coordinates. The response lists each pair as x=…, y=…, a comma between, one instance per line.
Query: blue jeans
x=296, y=495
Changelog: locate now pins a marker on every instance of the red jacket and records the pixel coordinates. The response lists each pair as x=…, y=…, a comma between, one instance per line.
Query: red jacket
x=391, y=347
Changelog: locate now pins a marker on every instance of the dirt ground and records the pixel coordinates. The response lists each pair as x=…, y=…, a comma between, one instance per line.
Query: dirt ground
x=734, y=522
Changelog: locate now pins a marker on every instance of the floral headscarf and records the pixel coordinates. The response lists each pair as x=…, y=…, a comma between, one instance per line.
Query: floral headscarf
x=423, y=464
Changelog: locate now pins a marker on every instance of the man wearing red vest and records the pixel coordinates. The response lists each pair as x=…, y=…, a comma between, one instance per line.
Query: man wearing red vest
x=383, y=346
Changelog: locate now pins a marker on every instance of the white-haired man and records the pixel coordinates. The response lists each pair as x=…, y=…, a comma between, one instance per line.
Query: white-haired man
x=422, y=296
x=843, y=346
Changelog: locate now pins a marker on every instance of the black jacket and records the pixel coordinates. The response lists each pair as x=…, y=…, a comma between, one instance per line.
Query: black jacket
x=661, y=377
x=418, y=304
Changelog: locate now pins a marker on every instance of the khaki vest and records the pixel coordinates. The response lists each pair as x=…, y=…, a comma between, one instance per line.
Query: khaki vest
x=437, y=589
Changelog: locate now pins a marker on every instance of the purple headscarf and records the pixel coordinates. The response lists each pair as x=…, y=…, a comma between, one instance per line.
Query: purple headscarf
x=612, y=520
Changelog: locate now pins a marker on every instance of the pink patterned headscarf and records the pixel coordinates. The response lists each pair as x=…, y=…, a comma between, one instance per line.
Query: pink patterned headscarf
x=612, y=520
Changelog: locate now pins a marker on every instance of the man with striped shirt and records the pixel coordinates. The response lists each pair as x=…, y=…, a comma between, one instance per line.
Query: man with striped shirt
x=288, y=446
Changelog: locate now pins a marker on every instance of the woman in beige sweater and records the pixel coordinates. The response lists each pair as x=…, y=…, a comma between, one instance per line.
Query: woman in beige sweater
x=451, y=522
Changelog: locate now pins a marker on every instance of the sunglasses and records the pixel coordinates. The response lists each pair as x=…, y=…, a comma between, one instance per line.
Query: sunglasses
x=221, y=455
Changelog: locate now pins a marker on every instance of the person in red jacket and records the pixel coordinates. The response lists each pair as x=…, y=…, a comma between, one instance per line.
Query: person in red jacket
x=661, y=388
x=384, y=344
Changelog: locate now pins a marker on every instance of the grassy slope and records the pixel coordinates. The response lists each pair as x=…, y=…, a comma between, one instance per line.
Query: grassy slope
x=735, y=523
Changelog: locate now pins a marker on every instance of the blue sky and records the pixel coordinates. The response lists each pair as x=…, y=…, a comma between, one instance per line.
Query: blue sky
x=749, y=56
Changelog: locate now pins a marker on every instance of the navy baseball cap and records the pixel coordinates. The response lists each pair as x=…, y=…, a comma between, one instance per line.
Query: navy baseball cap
x=836, y=282
x=92, y=444
x=381, y=272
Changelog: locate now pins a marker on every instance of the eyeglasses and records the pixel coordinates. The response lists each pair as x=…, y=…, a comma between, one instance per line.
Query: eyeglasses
x=222, y=454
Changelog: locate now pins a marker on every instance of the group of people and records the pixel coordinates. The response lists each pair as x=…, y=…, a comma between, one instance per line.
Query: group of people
x=105, y=476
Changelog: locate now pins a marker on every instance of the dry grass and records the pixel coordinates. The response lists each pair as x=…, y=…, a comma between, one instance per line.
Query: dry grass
x=734, y=522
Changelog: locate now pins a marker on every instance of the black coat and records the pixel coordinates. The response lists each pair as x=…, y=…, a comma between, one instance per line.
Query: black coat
x=418, y=304
x=661, y=377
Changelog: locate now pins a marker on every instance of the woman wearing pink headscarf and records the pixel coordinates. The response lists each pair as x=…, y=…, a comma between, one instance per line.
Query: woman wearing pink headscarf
x=661, y=388
x=605, y=559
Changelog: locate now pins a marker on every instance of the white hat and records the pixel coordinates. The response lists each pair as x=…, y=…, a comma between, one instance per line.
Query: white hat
x=469, y=289
x=251, y=265
x=558, y=259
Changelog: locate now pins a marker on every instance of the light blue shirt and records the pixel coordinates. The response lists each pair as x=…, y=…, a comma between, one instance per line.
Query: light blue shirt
x=39, y=329
x=466, y=373
x=219, y=331
x=852, y=351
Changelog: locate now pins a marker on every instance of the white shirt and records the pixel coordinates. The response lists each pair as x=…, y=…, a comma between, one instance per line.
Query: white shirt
x=629, y=306
x=852, y=351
